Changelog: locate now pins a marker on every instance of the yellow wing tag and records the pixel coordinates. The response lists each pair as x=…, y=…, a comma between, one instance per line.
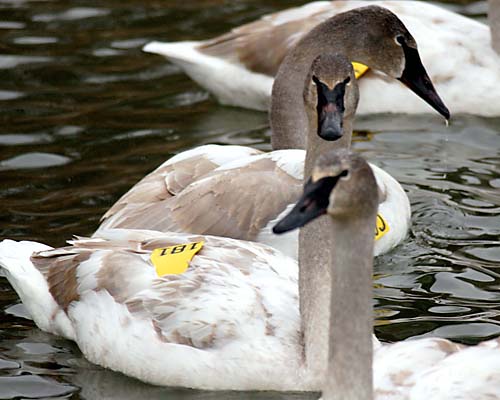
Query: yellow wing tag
x=359, y=69
x=382, y=227
x=174, y=259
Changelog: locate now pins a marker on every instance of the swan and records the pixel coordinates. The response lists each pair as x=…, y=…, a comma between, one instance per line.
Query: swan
x=206, y=191
x=244, y=197
x=342, y=185
x=459, y=53
x=231, y=321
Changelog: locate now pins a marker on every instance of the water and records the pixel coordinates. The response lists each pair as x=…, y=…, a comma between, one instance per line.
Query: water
x=84, y=115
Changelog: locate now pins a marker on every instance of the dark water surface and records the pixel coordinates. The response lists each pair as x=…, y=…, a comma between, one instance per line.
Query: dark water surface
x=84, y=115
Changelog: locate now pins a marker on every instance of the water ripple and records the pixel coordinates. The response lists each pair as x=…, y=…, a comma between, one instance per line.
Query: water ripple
x=34, y=160
x=72, y=14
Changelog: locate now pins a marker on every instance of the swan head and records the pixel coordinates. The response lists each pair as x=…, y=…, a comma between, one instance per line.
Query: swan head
x=384, y=43
x=330, y=94
x=342, y=185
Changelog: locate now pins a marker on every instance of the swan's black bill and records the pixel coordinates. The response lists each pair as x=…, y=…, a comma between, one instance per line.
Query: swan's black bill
x=312, y=204
x=416, y=79
x=330, y=109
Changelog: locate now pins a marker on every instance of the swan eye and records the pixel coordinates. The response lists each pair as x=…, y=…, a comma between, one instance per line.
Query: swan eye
x=345, y=174
x=347, y=80
x=400, y=40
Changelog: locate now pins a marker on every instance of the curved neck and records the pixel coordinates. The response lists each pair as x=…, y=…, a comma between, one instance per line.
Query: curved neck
x=288, y=118
x=494, y=21
x=350, y=352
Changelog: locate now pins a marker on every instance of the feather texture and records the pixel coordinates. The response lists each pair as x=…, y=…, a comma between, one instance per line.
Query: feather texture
x=241, y=199
x=230, y=322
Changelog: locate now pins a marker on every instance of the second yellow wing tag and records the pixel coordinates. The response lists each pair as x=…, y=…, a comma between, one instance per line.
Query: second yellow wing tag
x=359, y=69
x=381, y=228
x=174, y=259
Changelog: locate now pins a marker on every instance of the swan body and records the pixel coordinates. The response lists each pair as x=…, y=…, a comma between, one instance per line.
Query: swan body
x=242, y=198
x=437, y=369
x=231, y=322
x=238, y=67
x=239, y=192
x=315, y=96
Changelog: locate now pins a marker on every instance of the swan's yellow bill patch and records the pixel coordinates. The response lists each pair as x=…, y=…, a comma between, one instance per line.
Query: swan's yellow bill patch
x=174, y=259
x=359, y=69
x=381, y=228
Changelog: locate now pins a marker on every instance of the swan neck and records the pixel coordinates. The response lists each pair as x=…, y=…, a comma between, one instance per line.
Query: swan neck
x=350, y=354
x=494, y=22
x=314, y=293
x=330, y=298
x=314, y=261
x=288, y=118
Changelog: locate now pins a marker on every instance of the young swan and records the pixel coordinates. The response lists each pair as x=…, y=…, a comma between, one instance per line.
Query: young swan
x=342, y=185
x=238, y=67
x=243, y=198
x=230, y=321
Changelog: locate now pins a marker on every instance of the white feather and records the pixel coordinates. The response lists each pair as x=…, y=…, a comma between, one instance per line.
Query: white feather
x=219, y=155
x=218, y=76
x=248, y=312
x=32, y=288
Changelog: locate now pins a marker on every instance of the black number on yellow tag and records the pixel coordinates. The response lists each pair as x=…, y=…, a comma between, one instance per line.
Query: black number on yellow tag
x=381, y=227
x=178, y=249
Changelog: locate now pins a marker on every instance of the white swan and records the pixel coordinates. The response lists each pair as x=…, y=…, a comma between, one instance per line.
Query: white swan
x=231, y=320
x=238, y=192
x=201, y=191
x=238, y=67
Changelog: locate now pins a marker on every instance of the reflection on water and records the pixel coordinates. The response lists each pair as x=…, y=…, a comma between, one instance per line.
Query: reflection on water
x=85, y=115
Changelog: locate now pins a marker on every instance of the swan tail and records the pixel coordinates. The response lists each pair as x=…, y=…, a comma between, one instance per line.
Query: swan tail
x=31, y=286
x=179, y=53
x=220, y=76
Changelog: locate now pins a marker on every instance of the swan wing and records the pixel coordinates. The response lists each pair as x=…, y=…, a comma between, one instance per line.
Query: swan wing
x=171, y=178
